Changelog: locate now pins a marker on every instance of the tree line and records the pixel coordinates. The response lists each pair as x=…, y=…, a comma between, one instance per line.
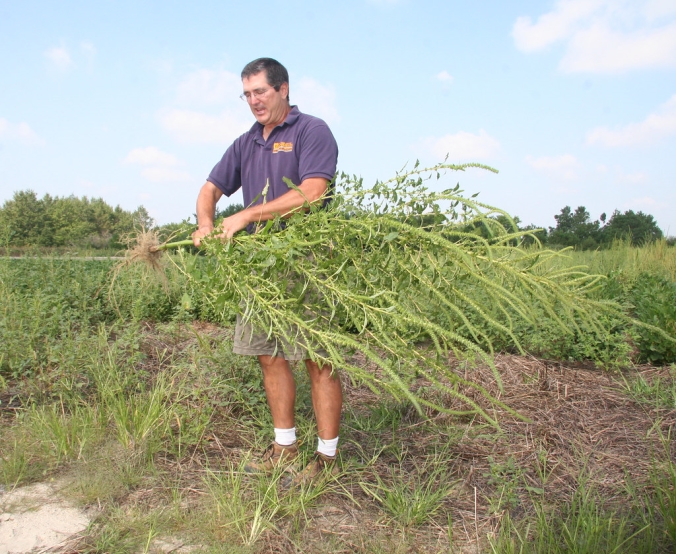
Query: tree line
x=576, y=229
x=69, y=221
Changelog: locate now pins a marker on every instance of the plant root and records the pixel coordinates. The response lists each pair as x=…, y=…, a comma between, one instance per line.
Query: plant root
x=144, y=248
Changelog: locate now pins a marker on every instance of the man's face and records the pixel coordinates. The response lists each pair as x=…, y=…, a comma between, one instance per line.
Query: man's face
x=268, y=105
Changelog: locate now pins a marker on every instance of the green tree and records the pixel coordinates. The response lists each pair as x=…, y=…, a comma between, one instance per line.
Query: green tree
x=227, y=211
x=26, y=220
x=540, y=234
x=639, y=228
x=70, y=221
x=575, y=229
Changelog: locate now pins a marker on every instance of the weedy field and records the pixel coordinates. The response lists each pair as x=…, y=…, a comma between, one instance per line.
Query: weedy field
x=122, y=389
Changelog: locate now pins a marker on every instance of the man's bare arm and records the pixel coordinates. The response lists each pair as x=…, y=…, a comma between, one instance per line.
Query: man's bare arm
x=207, y=199
x=310, y=190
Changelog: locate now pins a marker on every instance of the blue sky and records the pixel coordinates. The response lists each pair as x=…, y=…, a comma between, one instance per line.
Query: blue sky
x=134, y=101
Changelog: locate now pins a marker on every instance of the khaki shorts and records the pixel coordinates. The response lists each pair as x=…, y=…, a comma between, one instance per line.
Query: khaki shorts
x=251, y=342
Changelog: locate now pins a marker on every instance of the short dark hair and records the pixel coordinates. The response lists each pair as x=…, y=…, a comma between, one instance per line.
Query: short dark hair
x=275, y=73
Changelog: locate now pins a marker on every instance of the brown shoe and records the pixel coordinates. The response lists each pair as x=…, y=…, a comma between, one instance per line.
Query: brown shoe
x=275, y=455
x=320, y=467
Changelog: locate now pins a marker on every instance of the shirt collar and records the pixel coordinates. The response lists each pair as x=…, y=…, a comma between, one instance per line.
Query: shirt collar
x=291, y=118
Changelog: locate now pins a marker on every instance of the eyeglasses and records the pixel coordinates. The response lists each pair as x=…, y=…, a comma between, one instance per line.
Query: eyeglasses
x=258, y=93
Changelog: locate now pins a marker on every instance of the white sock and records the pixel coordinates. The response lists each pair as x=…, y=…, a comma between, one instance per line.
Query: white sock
x=327, y=447
x=285, y=437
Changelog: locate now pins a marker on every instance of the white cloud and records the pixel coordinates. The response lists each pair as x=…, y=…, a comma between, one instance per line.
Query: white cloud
x=654, y=127
x=565, y=189
x=166, y=175
x=19, y=132
x=150, y=156
x=564, y=166
x=604, y=36
x=209, y=87
x=659, y=8
x=160, y=167
x=314, y=98
x=461, y=146
x=207, y=108
x=602, y=50
x=552, y=27
x=444, y=77
x=633, y=178
x=198, y=127
x=59, y=58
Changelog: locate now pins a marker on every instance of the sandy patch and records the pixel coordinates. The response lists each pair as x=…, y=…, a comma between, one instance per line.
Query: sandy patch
x=36, y=519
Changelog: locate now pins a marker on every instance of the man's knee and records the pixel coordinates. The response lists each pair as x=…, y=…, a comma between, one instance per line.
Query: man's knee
x=320, y=372
x=273, y=363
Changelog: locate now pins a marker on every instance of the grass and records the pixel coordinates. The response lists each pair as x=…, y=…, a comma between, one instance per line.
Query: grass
x=656, y=258
x=656, y=389
x=65, y=435
x=148, y=422
x=412, y=498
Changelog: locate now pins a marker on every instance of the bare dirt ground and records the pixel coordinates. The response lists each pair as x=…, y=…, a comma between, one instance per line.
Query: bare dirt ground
x=36, y=519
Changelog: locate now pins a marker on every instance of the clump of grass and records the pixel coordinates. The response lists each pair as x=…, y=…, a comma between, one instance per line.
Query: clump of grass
x=16, y=463
x=584, y=526
x=246, y=506
x=412, y=499
x=65, y=434
x=657, y=391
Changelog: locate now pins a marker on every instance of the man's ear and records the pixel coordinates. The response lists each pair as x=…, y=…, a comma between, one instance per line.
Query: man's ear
x=284, y=89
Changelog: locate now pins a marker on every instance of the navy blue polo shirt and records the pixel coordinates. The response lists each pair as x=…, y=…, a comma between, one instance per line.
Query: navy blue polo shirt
x=301, y=147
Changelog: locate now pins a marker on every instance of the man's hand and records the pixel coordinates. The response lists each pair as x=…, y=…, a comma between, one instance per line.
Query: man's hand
x=234, y=223
x=311, y=190
x=202, y=232
x=228, y=228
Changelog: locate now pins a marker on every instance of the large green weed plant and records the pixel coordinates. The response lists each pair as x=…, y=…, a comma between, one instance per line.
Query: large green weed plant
x=390, y=272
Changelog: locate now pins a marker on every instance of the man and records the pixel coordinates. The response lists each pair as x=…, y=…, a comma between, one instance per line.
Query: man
x=282, y=143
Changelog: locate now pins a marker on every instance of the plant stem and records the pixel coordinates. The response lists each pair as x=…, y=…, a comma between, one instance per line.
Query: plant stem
x=165, y=246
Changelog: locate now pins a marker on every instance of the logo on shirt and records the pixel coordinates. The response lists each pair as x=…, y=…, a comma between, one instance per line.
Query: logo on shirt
x=282, y=147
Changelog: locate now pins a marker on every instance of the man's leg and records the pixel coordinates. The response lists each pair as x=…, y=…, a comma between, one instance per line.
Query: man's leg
x=280, y=390
x=327, y=399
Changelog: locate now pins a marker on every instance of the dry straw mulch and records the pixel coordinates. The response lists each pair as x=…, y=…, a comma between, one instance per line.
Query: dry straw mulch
x=582, y=426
